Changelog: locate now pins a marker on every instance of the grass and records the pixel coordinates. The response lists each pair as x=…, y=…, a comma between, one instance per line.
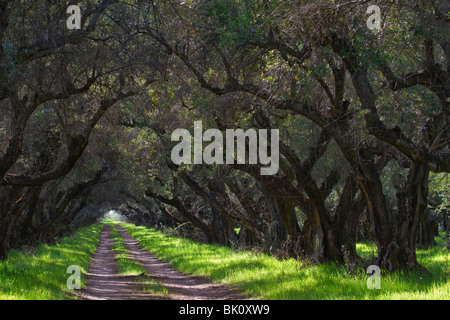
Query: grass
x=125, y=265
x=43, y=274
x=130, y=267
x=265, y=277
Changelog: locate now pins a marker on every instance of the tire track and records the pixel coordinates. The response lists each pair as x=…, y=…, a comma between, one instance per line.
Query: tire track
x=181, y=286
x=103, y=281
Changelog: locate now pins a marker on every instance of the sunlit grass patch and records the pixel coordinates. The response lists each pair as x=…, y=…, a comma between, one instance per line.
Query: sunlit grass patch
x=263, y=276
x=129, y=267
x=125, y=265
x=153, y=286
x=43, y=274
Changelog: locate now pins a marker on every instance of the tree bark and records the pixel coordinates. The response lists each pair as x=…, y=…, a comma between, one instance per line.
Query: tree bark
x=411, y=210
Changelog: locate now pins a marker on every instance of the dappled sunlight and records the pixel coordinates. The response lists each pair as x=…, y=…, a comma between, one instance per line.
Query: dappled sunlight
x=289, y=148
x=264, y=276
x=43, y=274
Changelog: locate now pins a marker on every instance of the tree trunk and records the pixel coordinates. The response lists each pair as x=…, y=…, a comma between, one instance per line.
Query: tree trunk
x=346, y=218
x=378, y=215
x=277, y=233
x=16, y=213
x=428, y=229
x=446, y=226
x=179, y=205
x=411, y=210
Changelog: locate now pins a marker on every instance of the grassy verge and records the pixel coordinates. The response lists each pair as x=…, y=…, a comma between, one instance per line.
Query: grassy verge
x=130, y=267
x=125, y=265
x=268, y=278
x=43, y=275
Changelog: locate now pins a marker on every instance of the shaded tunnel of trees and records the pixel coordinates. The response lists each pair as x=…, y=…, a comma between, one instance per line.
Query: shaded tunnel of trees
x=86, y=117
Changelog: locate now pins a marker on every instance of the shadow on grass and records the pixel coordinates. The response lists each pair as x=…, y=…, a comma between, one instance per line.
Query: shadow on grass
x=43, y=274
x=264, y=276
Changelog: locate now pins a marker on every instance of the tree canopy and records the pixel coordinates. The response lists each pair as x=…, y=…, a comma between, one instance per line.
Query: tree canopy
x=363, y=116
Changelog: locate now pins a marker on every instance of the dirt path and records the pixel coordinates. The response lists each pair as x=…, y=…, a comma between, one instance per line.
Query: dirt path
x=103, y=281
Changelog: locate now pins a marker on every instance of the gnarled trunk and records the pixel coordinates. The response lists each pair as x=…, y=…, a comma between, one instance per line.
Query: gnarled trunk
x=411, y=210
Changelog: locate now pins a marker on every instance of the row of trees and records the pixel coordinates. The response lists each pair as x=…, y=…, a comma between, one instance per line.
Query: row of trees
x=363, y=118
x=56, y=85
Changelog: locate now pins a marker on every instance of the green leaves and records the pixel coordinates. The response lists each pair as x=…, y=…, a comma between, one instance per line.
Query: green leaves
x=232, y=20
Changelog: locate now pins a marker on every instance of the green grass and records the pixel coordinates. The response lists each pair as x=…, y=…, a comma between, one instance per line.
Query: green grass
x=130, y=267
x=150, y=285
x=265, y=277
x=43, y=274
x=125, y=265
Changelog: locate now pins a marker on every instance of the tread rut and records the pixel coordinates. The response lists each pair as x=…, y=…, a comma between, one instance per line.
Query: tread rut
x=103, y=281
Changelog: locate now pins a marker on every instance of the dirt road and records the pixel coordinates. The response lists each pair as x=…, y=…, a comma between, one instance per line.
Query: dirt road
x=103, y=281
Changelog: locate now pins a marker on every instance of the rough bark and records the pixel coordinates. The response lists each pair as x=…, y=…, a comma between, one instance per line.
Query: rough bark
x=411, y=210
